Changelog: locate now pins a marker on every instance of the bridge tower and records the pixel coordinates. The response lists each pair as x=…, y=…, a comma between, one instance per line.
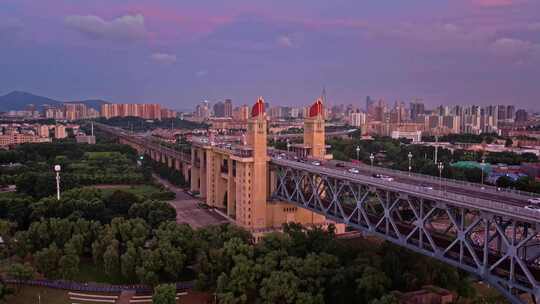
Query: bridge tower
x=252, y=208
x=314, y=130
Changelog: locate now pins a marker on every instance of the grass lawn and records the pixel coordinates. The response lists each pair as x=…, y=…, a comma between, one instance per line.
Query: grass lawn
x=142, y=191
x=29, y=295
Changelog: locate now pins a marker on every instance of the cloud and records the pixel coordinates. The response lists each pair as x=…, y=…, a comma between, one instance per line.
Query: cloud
x=124, y=28
x=450, y=28
x=516, y=48
x=9, y=27
x=511, y=46
x=201, y=73
x=534, y=26
x=493, y=3
x=285, y=41
x=163, y=58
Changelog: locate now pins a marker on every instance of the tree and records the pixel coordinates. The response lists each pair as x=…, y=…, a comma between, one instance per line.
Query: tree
x=69, y=266
x=20, y=271
x=111, y=258
x=129, y=261
x=504, y=182
x=120, y=201
x=174, y=260
x=508, y=142
x=4, y=291
x=273, y=291
x=164, y=294
x=240, y=286
x=387, y=299
x=46, y=260
x=373, y=284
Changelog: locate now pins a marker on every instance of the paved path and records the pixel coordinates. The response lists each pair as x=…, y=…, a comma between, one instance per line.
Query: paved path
x=188, y=210
x=125, y=296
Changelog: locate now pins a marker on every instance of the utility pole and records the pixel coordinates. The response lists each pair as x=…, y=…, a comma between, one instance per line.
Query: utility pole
x=57, y=169
x=436, y=148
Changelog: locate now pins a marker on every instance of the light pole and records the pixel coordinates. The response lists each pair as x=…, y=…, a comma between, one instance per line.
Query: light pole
x=482, y=166
x=358, y=153
x=371, y=158
x=441, y=167
x=436, y=148
x=410, y=161
x=57, y=169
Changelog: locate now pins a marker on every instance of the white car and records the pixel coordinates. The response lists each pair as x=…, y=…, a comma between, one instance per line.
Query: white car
x=383, y=177
x=354, y=171
x=316, y=163
x=535, y=201
x=534, y=208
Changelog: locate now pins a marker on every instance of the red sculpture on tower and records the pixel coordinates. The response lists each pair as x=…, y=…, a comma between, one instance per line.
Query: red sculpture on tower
x=316, y=109
x=258, y=108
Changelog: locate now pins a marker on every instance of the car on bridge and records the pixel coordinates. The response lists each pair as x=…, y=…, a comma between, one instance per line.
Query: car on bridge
x=534, y=208
x=354, y=171
x=426, y=187
x=383, y=177
x=535, y=200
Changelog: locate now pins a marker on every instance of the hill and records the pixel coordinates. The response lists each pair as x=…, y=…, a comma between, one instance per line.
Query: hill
x=18, y=100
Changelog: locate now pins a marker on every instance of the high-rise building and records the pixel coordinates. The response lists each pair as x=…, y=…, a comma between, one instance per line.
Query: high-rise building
x=146, y=111
x=501, y=112
x=241, y=113
x=451, y=123
x=522, y=115
x=60, y=132
x=510, y=112
x=219, y=109
x=202, y=110
x=43, y=131
x=357, y=119
x=75, y=111
x=369, y=104
x=417, y=109
x=227, y=108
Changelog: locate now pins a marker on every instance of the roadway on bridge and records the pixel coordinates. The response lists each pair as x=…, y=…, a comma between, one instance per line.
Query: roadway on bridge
x=428, y=183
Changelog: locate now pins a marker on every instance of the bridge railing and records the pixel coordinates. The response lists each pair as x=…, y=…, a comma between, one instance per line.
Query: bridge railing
x=439, y=195
x=486, y=188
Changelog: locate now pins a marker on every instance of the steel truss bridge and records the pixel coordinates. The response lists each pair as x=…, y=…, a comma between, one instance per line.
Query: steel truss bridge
x=497, y=242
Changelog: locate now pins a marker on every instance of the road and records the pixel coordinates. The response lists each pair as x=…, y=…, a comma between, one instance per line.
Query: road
x=419, y=183
x=188, y=210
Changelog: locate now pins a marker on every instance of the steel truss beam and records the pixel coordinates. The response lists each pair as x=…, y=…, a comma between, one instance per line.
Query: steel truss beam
x=502, y=251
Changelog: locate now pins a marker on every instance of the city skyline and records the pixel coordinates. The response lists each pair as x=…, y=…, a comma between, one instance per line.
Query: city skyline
x=460, y=52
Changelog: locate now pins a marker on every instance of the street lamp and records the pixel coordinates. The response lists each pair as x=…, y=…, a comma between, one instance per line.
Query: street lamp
x=371, y=158
x=358, y=153
x=482, y=165
x=57, y=169
x=441, y=167
x=410, y=161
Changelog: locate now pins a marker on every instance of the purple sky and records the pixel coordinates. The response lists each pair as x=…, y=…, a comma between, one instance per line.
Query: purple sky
x=180, y=52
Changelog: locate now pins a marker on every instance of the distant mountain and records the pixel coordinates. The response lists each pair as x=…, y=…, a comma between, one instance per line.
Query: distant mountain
x=18, y=100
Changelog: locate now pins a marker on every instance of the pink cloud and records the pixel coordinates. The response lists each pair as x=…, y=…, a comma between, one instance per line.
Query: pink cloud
x=493, y=3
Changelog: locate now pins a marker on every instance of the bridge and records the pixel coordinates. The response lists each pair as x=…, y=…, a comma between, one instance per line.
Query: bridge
x=480, y=229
